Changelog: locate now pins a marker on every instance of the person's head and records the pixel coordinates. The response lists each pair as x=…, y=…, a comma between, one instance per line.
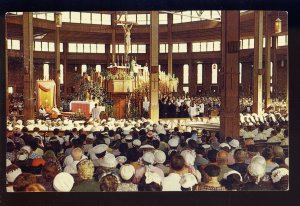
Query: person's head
x=200, y=150
x=85, y=169
x=212, y=155
x=22, y=181
x=240, y=156
x=127, y=172
x=56, y=131
x=222, y=157
x=150, y=182
x=278, y=152
x=232, y=180
x=280, y=178
x=12, y=172
x=192, y=144
x=177, y=162
x=267, y=153
x=212, y=171
x=156, y=144
x=109, y=183
x=123, y=148
x=76, y=154
x=35, y=188
x=63, y=182
x=256, y=171
x=10, y=147
x=77, y=143
x=133, y=155
x=50, y=170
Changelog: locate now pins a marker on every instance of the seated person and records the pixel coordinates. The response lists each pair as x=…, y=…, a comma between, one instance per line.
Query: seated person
x=42, y=112
x=55, y=112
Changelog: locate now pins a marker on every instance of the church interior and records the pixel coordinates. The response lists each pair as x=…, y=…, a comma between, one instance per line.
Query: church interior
x=107, y=101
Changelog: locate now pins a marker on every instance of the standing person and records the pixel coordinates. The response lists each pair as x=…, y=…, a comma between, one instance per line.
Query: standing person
x=95, y=112
x=201, y=109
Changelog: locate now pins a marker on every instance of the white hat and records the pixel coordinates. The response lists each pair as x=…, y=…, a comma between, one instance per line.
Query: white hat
x=189, y=157
x=173, y=142
x=100, y=148
x=71, y=168
x=224, y=145
x=206, y=146
x=13, y=174
x=137, y=142
x=63, y=182
x=188, y=180
x=128, y=137
x=108, y=161
x=232, y=172
x=127, y=171
x=259, y=160
x=159, y=156
x=152, y=177
x=256, y=170
x=22, y=156
x=148, y=157
x=171, y=182
x=121, y=159
x=234, y=143
x=147, y=146
x=27, y=149
x=278, y=173
x=8, y=162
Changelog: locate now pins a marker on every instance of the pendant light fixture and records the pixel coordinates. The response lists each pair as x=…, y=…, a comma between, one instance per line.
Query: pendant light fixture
x=278, y=24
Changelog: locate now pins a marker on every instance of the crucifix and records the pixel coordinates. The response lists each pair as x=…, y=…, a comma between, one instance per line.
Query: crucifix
x=127, y=26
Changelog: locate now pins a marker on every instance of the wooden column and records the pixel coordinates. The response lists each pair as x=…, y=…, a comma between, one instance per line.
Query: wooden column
x=66, y=83
x=274, y=76
x=28, y=66
x=287, y=81
x=257, y=65
x=192, y=75
x=267, y=60
x=229, y=80
x=57, y=66
x=154, y=74
x=170, y=44
x=113, y=38
x=6, y=71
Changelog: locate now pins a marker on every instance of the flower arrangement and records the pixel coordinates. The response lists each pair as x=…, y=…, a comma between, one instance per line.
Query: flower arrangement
x=118, y=74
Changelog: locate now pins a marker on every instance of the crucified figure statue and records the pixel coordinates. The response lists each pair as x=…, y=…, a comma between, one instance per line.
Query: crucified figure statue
x=127, y=28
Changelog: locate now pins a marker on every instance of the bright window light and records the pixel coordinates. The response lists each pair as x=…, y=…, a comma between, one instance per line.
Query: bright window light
x=106, y=19
x=45, y=46
x=199, y=74
x=101, y=48
x=75, y=17
x=61, y=74
x=86, y=48
x=93, y=48
x=38, y=46
x=85, y=18
x=214, y=74
x=163, y=18
x=51, y=47
x=46, y=71
x=96, y=18
x=80, y=48
x=185, y=74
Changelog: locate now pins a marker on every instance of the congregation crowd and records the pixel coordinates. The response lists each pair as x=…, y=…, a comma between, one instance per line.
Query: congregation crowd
x=141, y=155
x=184, y=106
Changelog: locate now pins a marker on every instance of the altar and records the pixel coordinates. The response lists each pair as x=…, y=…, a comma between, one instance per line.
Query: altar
x=84, y=106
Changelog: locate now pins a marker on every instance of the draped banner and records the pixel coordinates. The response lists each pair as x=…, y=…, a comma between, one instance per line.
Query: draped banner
x=46, y=93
